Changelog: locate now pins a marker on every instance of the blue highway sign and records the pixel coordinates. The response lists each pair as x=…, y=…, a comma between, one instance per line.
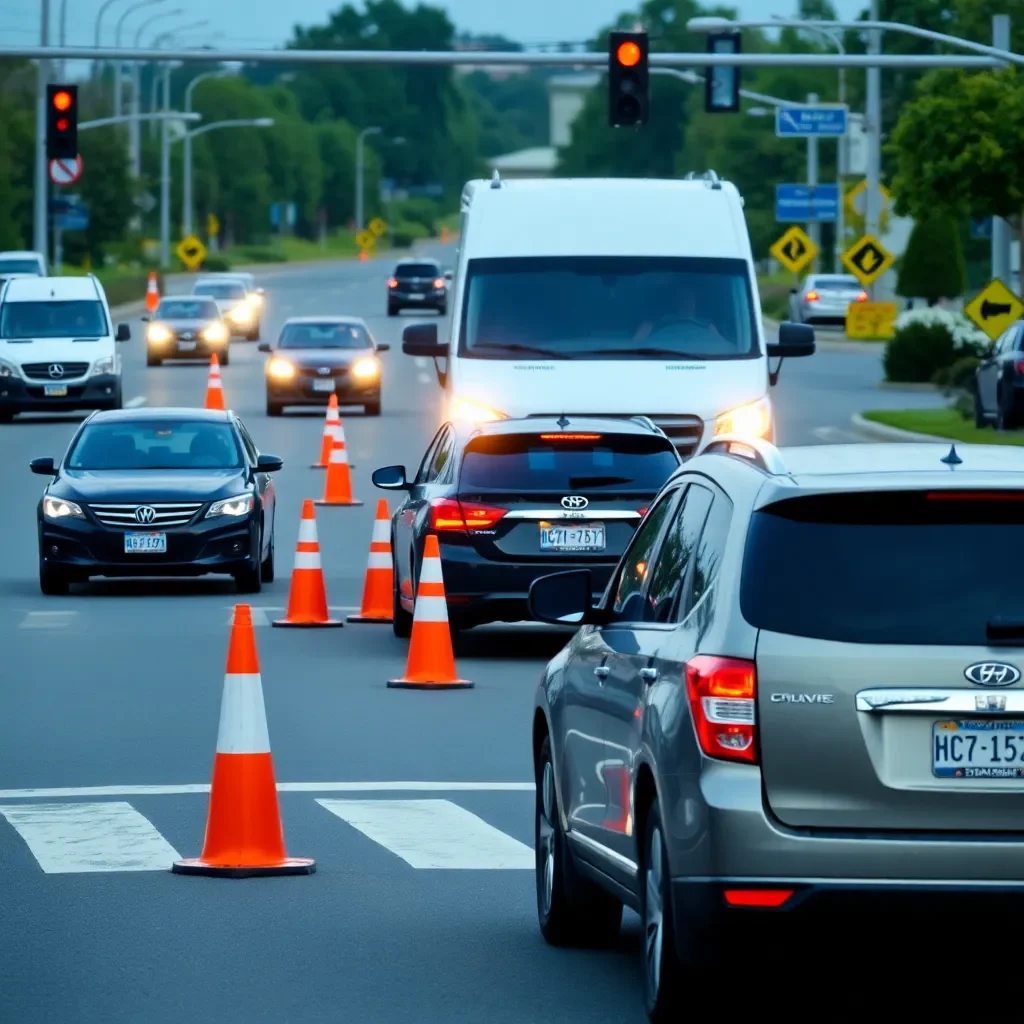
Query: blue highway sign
x=797, y=122
x=806, y=204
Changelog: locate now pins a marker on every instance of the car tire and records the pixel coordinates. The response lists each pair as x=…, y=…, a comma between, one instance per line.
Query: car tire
x=393, y=311
x=6, y=417
x=979, y=410
x=153, y=360
x=52, y=583
x=571, y=910
x=250, y=581
x=267, y=565
x=443, y=309
x=1005, y=420
x=401, y=620
x=274, y=408
x=224, y=358
x=372, y=408
x=253, y=335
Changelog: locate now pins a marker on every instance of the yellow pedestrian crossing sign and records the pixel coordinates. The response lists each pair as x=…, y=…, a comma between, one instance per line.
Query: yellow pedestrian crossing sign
x=191, y=252
x=794, y=250
x=366, y=240
x=867, y=259
x=994, y=308
x=212, y=225
x=377, y=227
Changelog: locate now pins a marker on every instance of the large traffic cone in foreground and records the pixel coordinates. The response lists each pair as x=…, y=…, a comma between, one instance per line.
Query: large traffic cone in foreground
x=338, y=485
x=332, y=424
x=431, y=664
x=152, y=293
x=307, y=600
x=244, y=836
x=214, y=387
x=378, y=588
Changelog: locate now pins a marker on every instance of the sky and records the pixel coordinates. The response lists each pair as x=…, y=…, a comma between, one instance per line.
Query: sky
x=258, y=24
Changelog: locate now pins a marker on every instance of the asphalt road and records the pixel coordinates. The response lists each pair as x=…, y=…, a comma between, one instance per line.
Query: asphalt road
x=418, y=911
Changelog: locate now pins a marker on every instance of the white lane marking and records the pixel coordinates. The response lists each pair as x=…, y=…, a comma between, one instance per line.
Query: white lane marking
x=833, y=435
x=423, y=378
x=421, y=362
x=134, y=403
x=83, y=792
x=75, y=838
x=47, y=620
x=434, y=834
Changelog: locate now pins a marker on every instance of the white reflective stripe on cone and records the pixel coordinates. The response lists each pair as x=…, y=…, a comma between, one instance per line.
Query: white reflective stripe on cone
x=307, y=559
x=431, y=571
x=431, y=609
x=243, y=717
x=214, y=382
x=338, y=455
x=379, y=560
x=381, y=532
x=307, y=531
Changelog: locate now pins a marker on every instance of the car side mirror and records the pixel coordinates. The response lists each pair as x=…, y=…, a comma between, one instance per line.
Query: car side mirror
x=793, y=291
x=449, y=276
x=124, y=333
x=562, y=598
x=145, y=319
x=264, y=346
x=390, y=478
x=383, y=348
x=261, y=291
x=44, y=467
x=421, y=340
x=268, y=464
x=795, y=341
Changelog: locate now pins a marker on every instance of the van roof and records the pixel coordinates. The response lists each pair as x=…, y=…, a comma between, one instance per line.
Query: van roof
x=604, y=217
x=59, y=289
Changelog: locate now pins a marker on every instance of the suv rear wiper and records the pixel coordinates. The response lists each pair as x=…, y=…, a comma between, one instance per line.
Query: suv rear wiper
x=547, y=353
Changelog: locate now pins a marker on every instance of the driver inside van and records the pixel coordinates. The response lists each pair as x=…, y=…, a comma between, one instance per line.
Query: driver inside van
x=687, y=316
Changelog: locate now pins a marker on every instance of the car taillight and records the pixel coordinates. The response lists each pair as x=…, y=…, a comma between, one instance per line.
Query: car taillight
x=392, y=282
x=449, y=514
x=811, y=296
x=723, y=693
x=439, y=282
x=862, y=296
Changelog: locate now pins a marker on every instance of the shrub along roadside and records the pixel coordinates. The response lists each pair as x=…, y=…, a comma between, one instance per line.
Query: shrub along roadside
x=942, y=423
x=927, y=343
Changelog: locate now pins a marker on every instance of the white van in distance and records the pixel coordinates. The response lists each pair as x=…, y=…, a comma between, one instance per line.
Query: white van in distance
x=57, y=346
x=620, y=297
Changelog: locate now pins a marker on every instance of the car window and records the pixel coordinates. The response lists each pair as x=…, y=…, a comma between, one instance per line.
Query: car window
x=156, y=444
x=221, y=290
x=423, y=473
x=250, y=445
x=78, y=318
x=670, y=572
x=710, y=550
x=627, y=599
x=20, y=266
x=408, y=270
x=187, y=309
x=326, y=335
x=441, y=464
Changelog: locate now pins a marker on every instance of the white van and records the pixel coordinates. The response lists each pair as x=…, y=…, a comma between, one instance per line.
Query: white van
x=605, y=297
x=57, y=346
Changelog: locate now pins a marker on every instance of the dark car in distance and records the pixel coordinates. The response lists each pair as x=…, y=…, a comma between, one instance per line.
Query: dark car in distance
x=418, y=284
x=512, y=500
x=186, y=327
x=999, y=382
x=157, y=492
x=319, y=356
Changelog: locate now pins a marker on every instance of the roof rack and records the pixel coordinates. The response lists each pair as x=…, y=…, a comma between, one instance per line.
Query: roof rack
x=710, y=177
x=761, y=453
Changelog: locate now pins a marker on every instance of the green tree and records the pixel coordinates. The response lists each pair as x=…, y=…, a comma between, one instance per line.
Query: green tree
x=933, y=267
x=105, y=188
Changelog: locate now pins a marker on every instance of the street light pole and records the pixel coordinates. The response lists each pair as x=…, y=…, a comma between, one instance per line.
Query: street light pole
x=119, y=65
x=97, y=64
x=135, y=126
x=873, y=117
x=40, y=196
x=813, y=226
x=1001, y=261
x=165, y=175
x=360, y=167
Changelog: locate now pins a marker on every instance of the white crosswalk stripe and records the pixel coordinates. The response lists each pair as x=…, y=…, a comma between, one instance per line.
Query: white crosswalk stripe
x=48, y=620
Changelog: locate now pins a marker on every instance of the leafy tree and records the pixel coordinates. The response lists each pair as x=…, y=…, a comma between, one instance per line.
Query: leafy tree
x=106, y=190
x=933, y=267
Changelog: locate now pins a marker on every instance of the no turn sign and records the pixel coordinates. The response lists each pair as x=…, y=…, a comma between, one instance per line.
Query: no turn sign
x=65, y=172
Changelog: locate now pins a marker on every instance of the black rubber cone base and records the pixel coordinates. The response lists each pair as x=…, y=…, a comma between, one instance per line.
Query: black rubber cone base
x=452, y=684
x=328, y=624
x=337, y=504
x=292, y=866
x=370, y=618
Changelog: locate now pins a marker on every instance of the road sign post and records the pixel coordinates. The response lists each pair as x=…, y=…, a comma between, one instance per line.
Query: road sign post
x=867, y=259
x=794, y=250
x=994, y=308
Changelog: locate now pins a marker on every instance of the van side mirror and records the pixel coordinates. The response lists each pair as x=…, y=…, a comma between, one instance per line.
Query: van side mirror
x=421, y=340
x=44, y=467
x=264, y=346
x=795, y=341
x=124, y=333
x=562, y=598
x=390, y=478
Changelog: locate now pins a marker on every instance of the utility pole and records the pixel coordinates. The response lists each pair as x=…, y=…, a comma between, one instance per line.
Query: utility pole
x=360, y=167
x=872, y=196
x=40, y=197
x=1000, y=228
x=813, y=226
x=165, y=174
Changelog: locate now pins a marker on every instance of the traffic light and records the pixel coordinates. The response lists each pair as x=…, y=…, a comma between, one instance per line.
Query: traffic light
x=628, y=79
x=61, y=122
x=722, y=83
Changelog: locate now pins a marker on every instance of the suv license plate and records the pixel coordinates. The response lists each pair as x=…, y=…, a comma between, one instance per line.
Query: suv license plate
x=55, y=390
x=145, y=543
x=186, y=346
x=323, y=385
x=978, y=749
x=577, y=537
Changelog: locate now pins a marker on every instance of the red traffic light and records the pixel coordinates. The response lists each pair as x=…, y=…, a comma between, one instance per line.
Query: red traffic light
x=628, y=54
x=62, y=124
x=62, y=100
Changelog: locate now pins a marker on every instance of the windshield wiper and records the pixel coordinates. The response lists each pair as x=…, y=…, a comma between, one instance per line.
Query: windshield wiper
x=547, y=353
x=668, y=353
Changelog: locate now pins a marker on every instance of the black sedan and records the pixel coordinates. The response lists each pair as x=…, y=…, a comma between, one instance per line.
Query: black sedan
x=512, y=500
x=418, y=284
x=316, y=357
x=158, y=492
x=186, y=327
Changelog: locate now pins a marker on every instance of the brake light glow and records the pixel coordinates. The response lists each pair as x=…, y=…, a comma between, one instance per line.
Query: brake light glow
x=811, y=296
x=723, y=694
x=448, y=514
x=392, y=282
x=862, y=297
x=764, y=898
x=570, y=437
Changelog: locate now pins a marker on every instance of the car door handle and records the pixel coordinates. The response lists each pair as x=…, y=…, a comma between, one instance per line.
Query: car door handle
x=648, y=675
x=602, y=672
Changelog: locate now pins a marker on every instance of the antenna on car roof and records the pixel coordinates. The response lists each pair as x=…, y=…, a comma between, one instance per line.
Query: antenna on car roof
x=563, y=421
x=495, y=179
x=952, y=459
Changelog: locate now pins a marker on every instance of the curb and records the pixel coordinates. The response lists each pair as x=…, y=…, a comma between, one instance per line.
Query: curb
x=881, y=432
x=895, y=385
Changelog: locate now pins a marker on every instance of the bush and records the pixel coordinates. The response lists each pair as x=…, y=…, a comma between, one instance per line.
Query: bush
x=125, y=288
x=933, y=265
x=775, y=301
x=419, y=210
x=216, y=264
x=928, y=341
x=259, y=255
x=404, y=233
x=958, y=376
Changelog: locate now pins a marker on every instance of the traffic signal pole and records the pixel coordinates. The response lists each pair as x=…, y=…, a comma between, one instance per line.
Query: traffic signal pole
x=40, y=191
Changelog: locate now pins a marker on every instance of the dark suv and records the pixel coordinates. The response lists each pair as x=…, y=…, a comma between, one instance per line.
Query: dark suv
x=418, y=284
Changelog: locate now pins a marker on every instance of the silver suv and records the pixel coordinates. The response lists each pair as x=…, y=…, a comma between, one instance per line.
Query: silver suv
x=802, y=685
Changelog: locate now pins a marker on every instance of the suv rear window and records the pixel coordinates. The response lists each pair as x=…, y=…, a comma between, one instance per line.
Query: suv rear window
x=910, y=567
x=537, y=462
x=418, y=270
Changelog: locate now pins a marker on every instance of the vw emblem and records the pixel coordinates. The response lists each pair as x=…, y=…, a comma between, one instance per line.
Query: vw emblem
x=186, y=335
x=145, y=514
x=324, y=371
x=575, y=501
x=55, y=370
x=992, y=673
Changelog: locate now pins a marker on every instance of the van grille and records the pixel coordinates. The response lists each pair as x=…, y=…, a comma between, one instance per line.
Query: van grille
x=41, y=371
x=684, y=432
x=168, y=514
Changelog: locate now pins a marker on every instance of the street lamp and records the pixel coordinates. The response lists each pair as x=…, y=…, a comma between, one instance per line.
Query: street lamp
x=118, y=65
x=98, y=36
x=360, y=167
x=134, y=127
x=158, y=42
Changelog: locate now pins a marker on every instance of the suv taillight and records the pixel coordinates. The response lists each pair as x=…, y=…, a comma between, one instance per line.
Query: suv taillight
x=447, y=514
x=723, y=696
x=392, y=282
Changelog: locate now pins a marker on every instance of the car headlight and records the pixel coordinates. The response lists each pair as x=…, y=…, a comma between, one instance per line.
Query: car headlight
x=281, y=369
x=241, y=314
x=7, y=369
x=753, y=420
x=365, y=369
x=239, y=505
x=158, y=334
x=58, y=508
x=256, y=300
x=215, y=333
x=104, y=365
x=474, y=412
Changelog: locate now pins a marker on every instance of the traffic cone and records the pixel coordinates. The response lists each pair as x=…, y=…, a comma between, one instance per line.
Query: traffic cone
x=244, y=836
x=380, y=572
x=332, y=423
x=444, y=234
x=338, y=486
x=363, y=257
x=307, y=600
x=431, y=663
x=214, y=387
x=152, y=293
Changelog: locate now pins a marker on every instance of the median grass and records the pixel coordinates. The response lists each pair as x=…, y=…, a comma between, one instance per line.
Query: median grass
x=942, y=423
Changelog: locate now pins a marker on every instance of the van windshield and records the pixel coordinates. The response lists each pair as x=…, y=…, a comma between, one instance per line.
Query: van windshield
x=78, y=318
x=609, y=307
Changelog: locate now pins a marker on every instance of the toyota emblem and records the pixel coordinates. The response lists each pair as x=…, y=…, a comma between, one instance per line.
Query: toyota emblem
x=575, y=501
x=145, y=514
x=992, y=673
x=324, y=371
x=56, y=371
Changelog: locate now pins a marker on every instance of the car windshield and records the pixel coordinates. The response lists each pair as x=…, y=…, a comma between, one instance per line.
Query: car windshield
x=888, y=568
x=407, y=270
x=10, y=266
x=156, y=444
x=609, y=307
x=567, y=462
x=324, y=336
x=221, y=289
x=79, y=318
x=187, y=309
x=835, y=283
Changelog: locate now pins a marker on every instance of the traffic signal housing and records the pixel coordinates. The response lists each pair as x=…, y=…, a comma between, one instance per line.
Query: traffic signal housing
x=61, y=122
x=722, y=82
x=629, y=98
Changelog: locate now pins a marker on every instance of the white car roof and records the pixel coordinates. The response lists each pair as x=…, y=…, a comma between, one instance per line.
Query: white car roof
x=20, y=254
x=61, y=289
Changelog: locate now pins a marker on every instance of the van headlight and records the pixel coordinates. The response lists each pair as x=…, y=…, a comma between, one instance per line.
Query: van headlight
x=104, y=365
x=7, y=369
x=474, y=412
x=158, y=334
x=58, y=508
x=365, y=369
x=239, y=505
x=241, y=314
x=753, y=420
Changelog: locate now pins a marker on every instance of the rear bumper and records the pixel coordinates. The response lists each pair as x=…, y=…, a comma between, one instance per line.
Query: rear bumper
x=823, y=313
x=99, y=392
x=435, y=299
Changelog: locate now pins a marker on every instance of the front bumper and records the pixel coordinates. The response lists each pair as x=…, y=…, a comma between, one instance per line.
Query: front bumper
x=201, y=349
x=98, y=392
x=298, y=390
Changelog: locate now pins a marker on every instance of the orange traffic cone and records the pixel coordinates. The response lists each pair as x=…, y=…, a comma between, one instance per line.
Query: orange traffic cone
x=244, y=836
x=363, y=257
x=152, y=294
x=307, y=600
x=444, y=234
x=338, y=486
x=431, y=662
x=332, y=423
x=214, y=387
x=378, y=588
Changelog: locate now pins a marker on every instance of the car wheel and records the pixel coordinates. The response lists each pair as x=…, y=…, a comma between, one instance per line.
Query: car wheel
x=274, y=408
x=571, y=910
x=401, y=620
x=267, y=566
x=979, y=409
x=224, y=358
x=373, y=408
x=443, y=309
x=1003, y=420
x=250, y=581
x=662, y=989
x=253, y=335
x=153, y=360
x=52, y=583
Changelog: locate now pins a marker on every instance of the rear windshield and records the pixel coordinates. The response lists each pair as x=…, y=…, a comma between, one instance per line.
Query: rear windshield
x=188, y=309
x=532, y=462
x=76, y=319
x=890, y=568
x=11, y=266
x=838, y=283
x=155, y=444
x=221, y=290
x=418, y=270
x=323, y=336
